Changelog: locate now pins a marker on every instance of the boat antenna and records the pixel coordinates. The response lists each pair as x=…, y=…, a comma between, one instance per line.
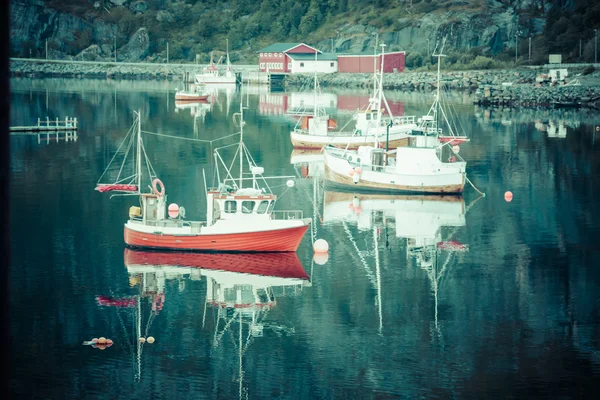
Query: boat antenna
x=139, y=151
x=379, y=95
x=437, y=96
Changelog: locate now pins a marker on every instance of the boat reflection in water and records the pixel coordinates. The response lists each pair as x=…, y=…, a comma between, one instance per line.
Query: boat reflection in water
x=420, y=219
x=309, y=163
x=241, y=288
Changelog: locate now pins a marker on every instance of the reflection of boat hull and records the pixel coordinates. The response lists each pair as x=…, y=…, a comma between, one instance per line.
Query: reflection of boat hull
x=211, y=79
x=317, y=142
x=275, y=240
x=279, y=265
x=190, y=97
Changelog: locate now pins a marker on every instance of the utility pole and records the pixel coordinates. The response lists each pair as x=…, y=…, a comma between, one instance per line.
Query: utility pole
x=579, y=49
x=516, y=47
x=596, y=47
x=46, y=49
x=167, y=52
x=332, y=45
x=115, y=47
x=529, y=48
x=427, y=47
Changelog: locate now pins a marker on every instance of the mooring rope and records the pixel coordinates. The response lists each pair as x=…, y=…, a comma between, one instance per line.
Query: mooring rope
x=471, y=183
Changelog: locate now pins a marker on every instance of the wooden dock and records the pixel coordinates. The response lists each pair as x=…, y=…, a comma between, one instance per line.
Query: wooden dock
x=48, y=125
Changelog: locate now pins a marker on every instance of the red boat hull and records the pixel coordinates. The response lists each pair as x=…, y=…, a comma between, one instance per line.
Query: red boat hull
x=282, y=265
x=264, y=241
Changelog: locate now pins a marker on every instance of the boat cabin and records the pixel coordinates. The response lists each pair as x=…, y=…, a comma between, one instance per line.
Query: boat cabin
x=366, y=122
x=152, y=208
x=248, y=203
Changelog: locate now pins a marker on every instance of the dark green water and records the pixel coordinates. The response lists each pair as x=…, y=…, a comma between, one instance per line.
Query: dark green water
x=506, y=306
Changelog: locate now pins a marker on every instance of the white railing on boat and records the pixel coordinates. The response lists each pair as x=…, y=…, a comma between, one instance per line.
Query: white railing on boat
x=287, y=214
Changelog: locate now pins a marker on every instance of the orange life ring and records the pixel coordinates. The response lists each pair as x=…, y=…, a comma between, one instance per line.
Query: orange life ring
x=156, y=182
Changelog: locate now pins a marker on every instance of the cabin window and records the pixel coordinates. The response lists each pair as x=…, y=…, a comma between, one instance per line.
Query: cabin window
x=331, y=65
x=262, y=207
x=271, y=205
x=368, y=116
x=230, y=206
x=248, y=206
x=302, y=64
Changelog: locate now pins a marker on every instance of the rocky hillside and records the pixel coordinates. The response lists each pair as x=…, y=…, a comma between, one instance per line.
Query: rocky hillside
x=476, y=30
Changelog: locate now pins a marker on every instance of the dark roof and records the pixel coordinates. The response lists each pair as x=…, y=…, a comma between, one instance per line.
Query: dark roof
x=279, y=47
x=282, y=47
x=309, y=57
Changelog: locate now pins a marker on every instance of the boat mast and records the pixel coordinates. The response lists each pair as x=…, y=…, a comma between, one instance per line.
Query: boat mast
x=228, y=64
x=315, y=113
x=437, y=96
x=139, y=152
x=241, y=149
x=379, y=96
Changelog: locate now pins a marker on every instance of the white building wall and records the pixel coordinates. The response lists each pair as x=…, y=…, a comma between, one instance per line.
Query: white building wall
x=305, y=66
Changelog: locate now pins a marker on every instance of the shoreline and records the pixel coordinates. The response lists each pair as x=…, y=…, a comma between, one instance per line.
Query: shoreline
x=506, y=88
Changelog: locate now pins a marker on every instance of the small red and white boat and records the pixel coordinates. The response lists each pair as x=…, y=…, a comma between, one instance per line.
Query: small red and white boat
x=191, y=96
x=238, y=218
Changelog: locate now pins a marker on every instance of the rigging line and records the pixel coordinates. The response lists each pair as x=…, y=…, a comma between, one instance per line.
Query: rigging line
x=131, y=144
x=471, y=183
x=359, y=253
x=121, y=145
x=189, y=139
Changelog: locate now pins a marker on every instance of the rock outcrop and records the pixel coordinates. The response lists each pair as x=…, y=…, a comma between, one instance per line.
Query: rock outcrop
x=137, y=47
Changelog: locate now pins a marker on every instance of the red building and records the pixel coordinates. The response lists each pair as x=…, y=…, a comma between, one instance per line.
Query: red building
x=363, y=62
x=274, y=58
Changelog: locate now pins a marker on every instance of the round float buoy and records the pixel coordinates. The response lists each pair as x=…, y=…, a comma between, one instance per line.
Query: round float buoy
x=109, y=342
x=321, y=258
x=358, y=170
x=508, y=196
x=150, y=339
x=102, y=340
x=351, y=172
x=142, y=340
x=95, y=340
x=356, y=178
x=173, y=210
x=290, y=183
x=321, y=246
x=455, y=148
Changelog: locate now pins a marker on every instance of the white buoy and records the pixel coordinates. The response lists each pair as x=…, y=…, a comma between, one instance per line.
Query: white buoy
x=321, y=246
x=455, y=148
x=290, y=183
x=355, y=178
x=321, y=258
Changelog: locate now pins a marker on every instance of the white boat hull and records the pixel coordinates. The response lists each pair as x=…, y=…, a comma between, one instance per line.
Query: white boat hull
x=302, y=140
x=449, y=180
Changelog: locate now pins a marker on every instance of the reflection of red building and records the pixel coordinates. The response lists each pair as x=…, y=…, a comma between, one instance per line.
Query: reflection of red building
x=353, y=103
x=279, y=104
x=272, y=104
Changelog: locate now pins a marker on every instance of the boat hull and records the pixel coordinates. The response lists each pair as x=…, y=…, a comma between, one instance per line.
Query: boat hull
x=190, y=98
x=335, y=172
x=276, y=240
x=317, y=142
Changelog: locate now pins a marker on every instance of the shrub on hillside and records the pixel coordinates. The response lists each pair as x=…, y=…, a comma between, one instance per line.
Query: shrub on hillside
x=588, y=70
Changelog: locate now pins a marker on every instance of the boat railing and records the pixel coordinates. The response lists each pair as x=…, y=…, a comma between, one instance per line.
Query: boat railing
x=170, y=223
x=410, y=119
x=287, y=214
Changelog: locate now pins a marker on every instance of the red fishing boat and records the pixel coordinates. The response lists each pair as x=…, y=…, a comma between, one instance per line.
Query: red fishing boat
x=238, y=218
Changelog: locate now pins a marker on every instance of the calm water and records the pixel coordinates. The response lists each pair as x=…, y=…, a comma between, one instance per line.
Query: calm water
x=418, y=297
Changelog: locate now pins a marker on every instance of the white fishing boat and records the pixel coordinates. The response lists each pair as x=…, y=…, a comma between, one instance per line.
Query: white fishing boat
x=318, y=130
x=211, y=74
x=430, y=163
x=238, y=218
